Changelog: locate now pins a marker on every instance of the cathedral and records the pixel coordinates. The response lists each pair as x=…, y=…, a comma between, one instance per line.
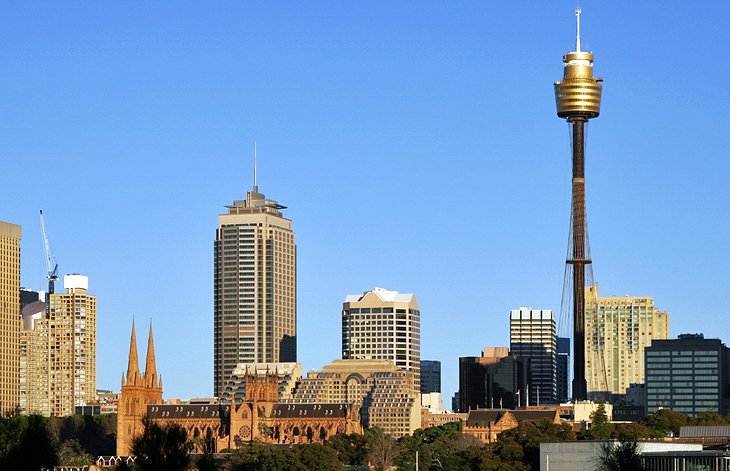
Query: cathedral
x=260, y=416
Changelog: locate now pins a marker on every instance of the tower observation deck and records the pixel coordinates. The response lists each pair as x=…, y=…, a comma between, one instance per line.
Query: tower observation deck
x=578, y=99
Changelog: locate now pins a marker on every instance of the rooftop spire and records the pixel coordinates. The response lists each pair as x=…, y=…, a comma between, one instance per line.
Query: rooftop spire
x=133, y=365
x=255, y=171
x=150, y=369
x=577, y=29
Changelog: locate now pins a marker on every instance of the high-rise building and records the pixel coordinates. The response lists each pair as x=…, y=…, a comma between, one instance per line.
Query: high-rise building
x=430, y=376
x=617, y=331
x=255, y=287
x=688, y=374
x=71, y=347
x=497, y=379
x=532, y=336
x=58, y=350
x=562, y=369
x=9, y=316
x=382, y=325
x=34, y=356
x=578, y=99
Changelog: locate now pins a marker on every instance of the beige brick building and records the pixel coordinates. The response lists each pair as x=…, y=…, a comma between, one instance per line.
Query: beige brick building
x=255, y=286
x=71, y=347
x=58, y=351
x=389, y=397
x=10, y=235
x=34, y=360
x=617, y=330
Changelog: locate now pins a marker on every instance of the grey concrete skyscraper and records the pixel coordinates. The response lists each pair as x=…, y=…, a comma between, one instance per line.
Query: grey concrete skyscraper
x=255, y=287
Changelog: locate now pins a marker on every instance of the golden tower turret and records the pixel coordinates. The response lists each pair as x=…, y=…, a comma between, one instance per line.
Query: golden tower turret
x=579, y=93
x=578, y=98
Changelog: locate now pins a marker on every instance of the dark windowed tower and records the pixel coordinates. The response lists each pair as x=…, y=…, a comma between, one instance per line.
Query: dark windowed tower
x=578, y=99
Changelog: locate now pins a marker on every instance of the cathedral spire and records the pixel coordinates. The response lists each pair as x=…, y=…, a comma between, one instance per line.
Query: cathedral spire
x=150, y=369
x=133, y=365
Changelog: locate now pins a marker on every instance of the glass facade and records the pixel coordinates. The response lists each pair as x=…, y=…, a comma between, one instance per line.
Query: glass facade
x=686, y=375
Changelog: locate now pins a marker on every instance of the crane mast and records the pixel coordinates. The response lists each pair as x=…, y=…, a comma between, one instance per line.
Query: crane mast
x=51, y=264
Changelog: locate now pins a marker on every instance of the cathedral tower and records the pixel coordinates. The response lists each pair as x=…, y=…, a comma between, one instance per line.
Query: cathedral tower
x=138, y=391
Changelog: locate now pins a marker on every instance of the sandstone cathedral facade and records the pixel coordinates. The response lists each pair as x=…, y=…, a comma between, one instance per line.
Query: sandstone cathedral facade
x=259, y=416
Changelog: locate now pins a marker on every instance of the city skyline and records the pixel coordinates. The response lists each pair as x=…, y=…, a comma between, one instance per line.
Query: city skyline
x=369, y=121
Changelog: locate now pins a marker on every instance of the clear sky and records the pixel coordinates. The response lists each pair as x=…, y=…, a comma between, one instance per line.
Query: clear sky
x=415, y=143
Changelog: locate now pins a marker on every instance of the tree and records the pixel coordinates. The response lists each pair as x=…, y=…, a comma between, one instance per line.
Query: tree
x=73, y=454
x=33, y=448
x=207, y=460
x=666, y=421
x=631, y=431
x=352, y=449
x=383, y=448
x=317, y=456
x=621, y=456
x=161, y=448
x=600, y=425
x=523, y=442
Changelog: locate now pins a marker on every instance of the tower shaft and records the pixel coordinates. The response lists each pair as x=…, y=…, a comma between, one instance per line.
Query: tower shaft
x=578, y=217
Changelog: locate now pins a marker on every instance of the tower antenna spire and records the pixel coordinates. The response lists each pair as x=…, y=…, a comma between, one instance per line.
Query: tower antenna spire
x=577, y=29
x=255, y=170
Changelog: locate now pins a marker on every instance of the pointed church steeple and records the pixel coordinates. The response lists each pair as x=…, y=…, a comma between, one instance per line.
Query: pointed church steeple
x=150, y=369
x=133, y=365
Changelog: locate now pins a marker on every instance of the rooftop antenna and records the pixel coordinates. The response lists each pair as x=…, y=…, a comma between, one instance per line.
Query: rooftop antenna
x=255, y=174
x=577, y=29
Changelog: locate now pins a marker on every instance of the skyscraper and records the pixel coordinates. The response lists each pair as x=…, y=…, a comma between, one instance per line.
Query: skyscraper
x=9, y=315
x=617, y=331
x=71, y=347
x=578, y=99
x=688, y=374
x=255, y=287
x=382, y=325
x=34, y=356
x=532, y=336
x=430, y=376
x=562, y=369
x=497, y=379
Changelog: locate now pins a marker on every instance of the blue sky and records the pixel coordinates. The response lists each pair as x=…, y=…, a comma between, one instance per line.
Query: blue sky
x=415, y=144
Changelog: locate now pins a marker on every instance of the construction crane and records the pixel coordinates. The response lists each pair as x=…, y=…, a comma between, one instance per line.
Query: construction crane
x=50, y=259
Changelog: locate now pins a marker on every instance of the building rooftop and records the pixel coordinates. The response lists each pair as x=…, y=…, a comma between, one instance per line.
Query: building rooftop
x=383, y=294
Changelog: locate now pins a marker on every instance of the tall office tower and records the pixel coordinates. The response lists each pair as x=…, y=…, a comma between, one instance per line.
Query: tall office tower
x=578, y=99
x=618, y=329
x=9, y=316
x=255, y=287
x=688, y=374
x=71, y=347
x=497, y=379
x=430, y=376
x=562, y=369
x=532, y=336
x=383, y=325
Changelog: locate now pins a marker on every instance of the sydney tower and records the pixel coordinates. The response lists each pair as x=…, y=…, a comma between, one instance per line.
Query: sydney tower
x=578, y=98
